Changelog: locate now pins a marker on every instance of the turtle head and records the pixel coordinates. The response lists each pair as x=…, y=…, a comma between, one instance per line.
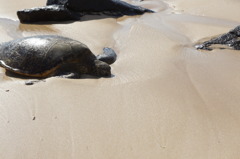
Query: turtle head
x=101, y=69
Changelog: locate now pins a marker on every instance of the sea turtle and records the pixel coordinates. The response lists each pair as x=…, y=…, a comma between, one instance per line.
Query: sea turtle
x=51, y=55
x=62, y=10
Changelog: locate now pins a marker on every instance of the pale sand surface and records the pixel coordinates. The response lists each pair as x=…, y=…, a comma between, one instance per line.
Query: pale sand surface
x=165, y=100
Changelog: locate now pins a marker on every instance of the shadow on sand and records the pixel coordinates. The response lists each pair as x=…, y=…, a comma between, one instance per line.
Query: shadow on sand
x=70, y=76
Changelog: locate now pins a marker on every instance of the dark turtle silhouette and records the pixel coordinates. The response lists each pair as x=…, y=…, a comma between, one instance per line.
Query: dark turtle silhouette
x=62, y=10
x=49, y=55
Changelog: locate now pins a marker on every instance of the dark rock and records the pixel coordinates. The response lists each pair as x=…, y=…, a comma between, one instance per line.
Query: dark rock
x=106, y=5
x=230, y=40
x=109, y=56
x=59, y=10
x=47, y=13
x=60, y=2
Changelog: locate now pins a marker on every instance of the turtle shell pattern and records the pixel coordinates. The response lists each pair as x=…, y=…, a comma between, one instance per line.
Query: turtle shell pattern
x=41, y=55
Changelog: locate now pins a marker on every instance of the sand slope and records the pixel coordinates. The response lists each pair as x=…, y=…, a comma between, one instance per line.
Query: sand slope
x=165, y=100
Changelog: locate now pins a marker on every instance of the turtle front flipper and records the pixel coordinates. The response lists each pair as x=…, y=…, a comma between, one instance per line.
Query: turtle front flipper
x=47, y=13
x=109, y=56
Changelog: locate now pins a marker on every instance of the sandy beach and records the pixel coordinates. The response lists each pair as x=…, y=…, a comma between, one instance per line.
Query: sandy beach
x=165, y=99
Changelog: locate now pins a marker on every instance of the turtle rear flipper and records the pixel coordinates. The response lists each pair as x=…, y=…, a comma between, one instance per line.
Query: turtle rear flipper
x=109, y=56
x=47, y=13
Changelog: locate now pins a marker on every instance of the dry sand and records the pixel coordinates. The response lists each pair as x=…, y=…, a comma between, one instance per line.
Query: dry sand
x=165, y=100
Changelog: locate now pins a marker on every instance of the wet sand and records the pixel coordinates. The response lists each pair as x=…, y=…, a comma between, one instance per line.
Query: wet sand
x=165, y=99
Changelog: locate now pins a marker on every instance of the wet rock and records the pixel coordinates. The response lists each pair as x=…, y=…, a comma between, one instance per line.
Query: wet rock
x=46, y=13
x=60, y=2
x=109, y=56
x=65, y=10
x=229, y=40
